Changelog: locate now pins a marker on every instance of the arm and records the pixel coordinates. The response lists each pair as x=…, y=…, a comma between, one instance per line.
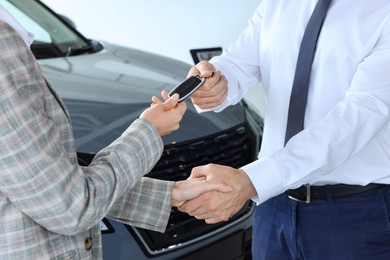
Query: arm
x=339, y=136
x=356, y=124
x=40, y=175
x=148, y=204
x=351, y=130
x=235, y=71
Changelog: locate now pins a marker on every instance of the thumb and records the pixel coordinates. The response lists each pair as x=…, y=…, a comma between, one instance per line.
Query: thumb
x=171, y=102
x=205, y=68
x=198, y=172
x=194, y=70
x=211, y=186
x=221, y=187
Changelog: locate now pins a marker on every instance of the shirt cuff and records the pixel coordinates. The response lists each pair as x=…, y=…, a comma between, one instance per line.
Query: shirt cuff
x=264, y=174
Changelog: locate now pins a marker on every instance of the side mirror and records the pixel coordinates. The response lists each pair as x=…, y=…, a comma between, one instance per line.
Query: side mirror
x=205, y=53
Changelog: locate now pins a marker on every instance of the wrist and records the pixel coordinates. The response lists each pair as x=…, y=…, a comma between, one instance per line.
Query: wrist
x=248, y=189
x=175, y=202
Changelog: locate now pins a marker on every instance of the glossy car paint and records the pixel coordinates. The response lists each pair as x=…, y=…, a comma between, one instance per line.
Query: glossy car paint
x=109, y=89
x=105, y=88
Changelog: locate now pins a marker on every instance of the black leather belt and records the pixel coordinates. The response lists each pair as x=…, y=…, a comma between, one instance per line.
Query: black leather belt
x=306, y=193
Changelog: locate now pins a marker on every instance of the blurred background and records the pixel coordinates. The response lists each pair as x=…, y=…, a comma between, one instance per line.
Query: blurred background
x=170, y=28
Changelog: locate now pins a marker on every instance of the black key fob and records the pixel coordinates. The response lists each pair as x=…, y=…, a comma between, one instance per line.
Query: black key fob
x=187, y=87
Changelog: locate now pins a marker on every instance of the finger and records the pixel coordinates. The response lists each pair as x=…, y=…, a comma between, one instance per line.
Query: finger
x=156, y=100
x=190, y=207
x=171, y=102
x=225, y=188
x=215, y=216
x=181, y=107
x=213, y=220
x=203, y=206
x=211, y=88
x=205, y=68
x=211, y=93
x=206, y=186
x=215, y=87
x=191, y=189
x=193, y=71
x=210, y=85
x=200, y=171
x=210, y=218
x=197, y=172
x=164, y=94
x=209, y=102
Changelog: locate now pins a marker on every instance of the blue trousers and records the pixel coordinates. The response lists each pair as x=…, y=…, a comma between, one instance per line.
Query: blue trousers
x=349, y=228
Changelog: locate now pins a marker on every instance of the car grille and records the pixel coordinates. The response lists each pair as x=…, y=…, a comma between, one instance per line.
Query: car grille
x=234, y=147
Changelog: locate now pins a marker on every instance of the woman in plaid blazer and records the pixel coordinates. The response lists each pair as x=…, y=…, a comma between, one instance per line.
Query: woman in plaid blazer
x=50, y=206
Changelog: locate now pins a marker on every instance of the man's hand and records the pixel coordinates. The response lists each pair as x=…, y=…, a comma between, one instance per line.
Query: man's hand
x=192, y=188
x=213, y=91
x=214, y=206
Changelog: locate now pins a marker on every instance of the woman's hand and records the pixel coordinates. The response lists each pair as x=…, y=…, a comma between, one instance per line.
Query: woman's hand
x=193, y=188
x=165, y=115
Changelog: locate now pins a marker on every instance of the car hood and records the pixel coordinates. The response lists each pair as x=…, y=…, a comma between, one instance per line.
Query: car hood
x=105, y=91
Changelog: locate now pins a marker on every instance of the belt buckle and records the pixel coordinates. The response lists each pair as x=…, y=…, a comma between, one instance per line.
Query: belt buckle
x=307, y=193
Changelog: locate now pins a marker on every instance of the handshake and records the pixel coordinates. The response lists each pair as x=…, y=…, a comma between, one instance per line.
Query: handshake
x=213, y=192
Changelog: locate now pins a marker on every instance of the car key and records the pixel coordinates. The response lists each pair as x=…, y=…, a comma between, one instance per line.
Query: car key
x=187, y=87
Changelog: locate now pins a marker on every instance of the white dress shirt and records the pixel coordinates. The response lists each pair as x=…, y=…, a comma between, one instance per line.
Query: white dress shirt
x=347, y=132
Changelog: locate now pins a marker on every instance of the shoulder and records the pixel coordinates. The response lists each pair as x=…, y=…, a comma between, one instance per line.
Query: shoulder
x=10, y=40
x=14, y=53
x=9, y=34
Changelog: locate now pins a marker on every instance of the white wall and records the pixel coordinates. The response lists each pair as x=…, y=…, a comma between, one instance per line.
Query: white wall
x=169, y=27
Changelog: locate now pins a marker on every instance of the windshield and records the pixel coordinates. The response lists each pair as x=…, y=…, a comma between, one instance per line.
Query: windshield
x=52, y=37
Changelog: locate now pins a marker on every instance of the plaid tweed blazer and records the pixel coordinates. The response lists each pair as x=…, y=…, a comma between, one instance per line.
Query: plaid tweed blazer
x=49, y=205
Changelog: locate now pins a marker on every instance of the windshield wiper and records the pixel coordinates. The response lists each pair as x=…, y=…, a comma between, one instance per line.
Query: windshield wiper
x=78, y=51
x=91, y=47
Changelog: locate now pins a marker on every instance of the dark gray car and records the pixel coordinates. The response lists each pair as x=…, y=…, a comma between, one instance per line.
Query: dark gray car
x=105, y=87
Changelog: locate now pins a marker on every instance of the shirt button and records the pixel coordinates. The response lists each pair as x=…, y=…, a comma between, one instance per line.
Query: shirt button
x=88, y=243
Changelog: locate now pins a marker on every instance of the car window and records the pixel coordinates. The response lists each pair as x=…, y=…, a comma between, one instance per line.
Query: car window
x=29, y=24
x=52, y=36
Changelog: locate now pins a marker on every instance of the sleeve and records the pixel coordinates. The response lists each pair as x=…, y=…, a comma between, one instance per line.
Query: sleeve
x=238, y=65
x=352, y=125
x=37, y=175
x=147, y=205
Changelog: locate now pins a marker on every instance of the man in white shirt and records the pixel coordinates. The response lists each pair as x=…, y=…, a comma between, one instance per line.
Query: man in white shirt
x=338, y=166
